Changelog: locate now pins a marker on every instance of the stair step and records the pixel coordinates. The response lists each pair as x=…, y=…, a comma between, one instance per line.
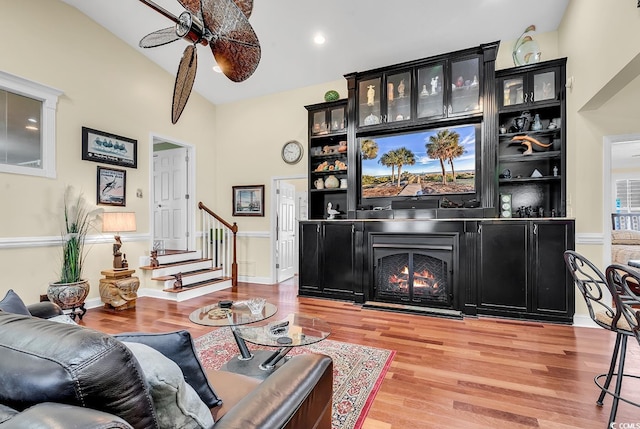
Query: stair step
x=191, y=277
x=197, y=285
x=177, y=256
x=179, y=267
x=187, y=274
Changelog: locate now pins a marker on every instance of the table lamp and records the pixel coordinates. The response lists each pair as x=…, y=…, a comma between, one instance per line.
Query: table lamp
x=118, y=222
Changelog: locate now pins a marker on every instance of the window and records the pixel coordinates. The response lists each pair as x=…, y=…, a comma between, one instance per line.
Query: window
x=27, y=126
x=628, y=193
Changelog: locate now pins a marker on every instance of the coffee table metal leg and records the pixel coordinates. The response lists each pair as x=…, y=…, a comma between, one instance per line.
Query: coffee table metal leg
x=245, y=354
x=273, y=360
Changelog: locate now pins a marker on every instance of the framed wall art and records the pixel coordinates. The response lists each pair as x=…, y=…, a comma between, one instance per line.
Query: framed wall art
x=248, y=200
x=107, y=148
x=112, y=187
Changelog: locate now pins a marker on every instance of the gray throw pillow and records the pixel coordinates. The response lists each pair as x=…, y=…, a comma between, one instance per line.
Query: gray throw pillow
x=11, y=303
x=178, y=346
x=177, y=404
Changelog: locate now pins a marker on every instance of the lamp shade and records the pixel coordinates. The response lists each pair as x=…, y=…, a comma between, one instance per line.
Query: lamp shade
x=118, y=221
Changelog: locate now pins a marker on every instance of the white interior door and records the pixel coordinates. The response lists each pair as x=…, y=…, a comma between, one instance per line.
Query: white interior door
x=286, y=231
x=170, y=199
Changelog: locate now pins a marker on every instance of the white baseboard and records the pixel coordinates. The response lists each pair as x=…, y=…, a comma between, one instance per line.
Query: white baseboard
x=584, y=321
x=259, y=280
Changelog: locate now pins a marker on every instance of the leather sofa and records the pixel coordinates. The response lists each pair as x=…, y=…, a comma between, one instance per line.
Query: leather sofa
x=57, y=375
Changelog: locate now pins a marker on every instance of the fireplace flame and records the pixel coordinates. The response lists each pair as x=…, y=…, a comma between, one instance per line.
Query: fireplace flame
x=421, y=279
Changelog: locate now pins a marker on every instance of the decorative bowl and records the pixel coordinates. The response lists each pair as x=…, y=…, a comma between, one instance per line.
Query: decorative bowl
x=256, y=305
x=331, y=95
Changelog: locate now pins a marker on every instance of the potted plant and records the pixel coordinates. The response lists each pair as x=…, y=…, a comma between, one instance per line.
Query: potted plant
x=70, y=291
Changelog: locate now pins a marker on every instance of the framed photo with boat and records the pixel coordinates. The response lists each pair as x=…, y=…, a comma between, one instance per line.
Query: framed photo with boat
x=107, y=148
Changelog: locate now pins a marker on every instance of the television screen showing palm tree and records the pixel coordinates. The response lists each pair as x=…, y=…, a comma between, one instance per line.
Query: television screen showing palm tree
x=428, y=162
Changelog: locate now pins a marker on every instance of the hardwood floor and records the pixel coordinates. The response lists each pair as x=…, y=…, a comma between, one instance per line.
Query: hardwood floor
x=477, y=373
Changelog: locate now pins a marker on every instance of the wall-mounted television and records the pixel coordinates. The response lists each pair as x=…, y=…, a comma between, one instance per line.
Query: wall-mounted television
x=420, y=164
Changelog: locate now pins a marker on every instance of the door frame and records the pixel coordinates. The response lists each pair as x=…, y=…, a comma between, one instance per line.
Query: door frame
x=273, y=214
x=191, y=187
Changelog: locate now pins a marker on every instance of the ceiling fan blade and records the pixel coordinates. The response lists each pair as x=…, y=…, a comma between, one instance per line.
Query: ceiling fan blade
x=159, y=38
x=184, y=81
x=235, y=45
x=246, y=6
x=192, y=6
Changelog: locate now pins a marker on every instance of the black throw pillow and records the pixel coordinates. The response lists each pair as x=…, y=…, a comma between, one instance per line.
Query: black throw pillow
x=11, y=303
x=178, y=346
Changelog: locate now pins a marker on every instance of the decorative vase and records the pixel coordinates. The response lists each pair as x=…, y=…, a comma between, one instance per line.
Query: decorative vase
x=70, y=296
x=331, y=182
x=537, y=124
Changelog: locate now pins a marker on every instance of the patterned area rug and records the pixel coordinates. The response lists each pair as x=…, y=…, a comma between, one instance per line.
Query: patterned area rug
x=358, y=371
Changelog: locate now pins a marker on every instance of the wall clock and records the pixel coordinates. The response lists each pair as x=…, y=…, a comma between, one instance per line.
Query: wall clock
x=292, y=152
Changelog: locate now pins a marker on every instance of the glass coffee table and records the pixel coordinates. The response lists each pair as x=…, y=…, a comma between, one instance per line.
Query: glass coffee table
x=237, y=314
x=293, y=331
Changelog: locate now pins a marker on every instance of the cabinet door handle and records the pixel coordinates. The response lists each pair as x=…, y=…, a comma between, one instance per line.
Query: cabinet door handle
x=535, y=229
x=479, y=229
x=444, y=109
x=353, y=229
x=450, y=109
x=531, y=97
x=318, y=228
x=526, y=96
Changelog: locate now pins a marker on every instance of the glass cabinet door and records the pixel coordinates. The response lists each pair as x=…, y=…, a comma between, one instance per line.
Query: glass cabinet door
x=544, y=86
x=430, y=94
x=320, y=123
x=369, y=102
x=398, y=97
x=513, y=91
x=337, y=120
x=465, y=86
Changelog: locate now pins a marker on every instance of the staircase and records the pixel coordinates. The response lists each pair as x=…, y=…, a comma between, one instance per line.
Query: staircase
x=183, y=275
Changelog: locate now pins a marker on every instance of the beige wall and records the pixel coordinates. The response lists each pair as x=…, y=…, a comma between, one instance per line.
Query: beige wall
x=107, y=86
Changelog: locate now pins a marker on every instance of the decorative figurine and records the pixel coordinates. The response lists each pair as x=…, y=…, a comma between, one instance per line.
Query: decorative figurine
x=371, y=95
x=434, y=85
x=475, y=80
x=424, y=90
x=555, y=171
x=390, y=91
x=331, y=212
x=178, y=283
x=460, y=82
x=401, y=89
x=154, y=259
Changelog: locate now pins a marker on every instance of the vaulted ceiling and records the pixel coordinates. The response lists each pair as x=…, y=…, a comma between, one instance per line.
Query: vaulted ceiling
x=360, y=35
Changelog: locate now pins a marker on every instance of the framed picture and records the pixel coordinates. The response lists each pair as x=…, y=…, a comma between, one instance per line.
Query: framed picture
x=112, y=187
x=248, y=200
x=106, y=148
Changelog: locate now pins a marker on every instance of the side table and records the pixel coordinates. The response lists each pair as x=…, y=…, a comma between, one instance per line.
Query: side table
x=119, y=289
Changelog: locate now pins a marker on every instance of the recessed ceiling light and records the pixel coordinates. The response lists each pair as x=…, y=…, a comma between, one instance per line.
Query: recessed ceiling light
x=32, y=120
x=319, y=39
x=217, y=69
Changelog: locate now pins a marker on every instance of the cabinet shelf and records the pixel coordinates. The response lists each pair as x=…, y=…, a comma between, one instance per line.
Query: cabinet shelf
x=538, y=105
x=326, y=173
x=531, y=179
x=542, y=133
x=329, y=190
x=341, y=133
x=536, y=156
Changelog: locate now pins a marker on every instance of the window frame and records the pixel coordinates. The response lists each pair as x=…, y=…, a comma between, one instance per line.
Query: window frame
x=48, y=96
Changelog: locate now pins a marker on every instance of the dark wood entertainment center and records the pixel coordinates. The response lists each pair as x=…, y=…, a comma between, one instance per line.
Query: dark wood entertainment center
x=495, y=248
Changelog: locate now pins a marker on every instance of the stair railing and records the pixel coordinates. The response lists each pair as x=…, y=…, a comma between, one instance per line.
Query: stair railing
x=219, y=243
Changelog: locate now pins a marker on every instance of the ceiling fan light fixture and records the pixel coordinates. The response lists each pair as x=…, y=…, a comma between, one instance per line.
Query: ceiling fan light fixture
x=319, y=39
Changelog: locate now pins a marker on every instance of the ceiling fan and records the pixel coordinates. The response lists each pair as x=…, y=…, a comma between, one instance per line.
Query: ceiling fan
x=224, y=26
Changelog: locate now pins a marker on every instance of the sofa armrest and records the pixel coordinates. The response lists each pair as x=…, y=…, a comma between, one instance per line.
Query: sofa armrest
x=49, y=415
x=44, y=309
x=297, y=395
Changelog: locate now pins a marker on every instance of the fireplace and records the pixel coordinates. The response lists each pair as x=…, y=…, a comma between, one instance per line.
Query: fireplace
x=415, y=270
